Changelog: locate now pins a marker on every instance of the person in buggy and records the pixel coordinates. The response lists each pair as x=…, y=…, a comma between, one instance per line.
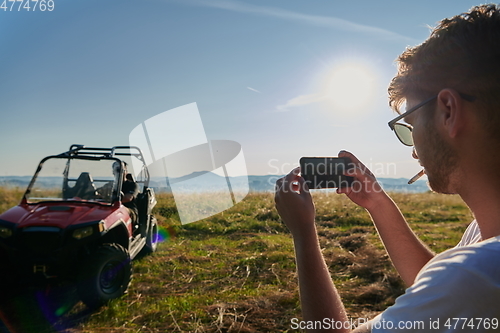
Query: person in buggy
x=129, y=190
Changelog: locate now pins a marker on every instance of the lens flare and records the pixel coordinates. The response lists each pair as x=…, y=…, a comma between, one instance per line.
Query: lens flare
x=62, y=310
x=6, y=322
x=165, y=234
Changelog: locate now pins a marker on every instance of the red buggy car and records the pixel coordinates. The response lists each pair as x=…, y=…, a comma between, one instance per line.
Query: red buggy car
x=71, y=223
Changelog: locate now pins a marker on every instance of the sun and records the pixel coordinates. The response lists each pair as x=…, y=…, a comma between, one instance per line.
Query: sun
x=350, y=86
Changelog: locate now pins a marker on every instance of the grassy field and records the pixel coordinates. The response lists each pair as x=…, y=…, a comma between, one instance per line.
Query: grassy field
x=235, y=272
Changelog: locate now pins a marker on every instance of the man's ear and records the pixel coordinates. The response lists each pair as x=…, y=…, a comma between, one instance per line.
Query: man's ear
x=451, y=111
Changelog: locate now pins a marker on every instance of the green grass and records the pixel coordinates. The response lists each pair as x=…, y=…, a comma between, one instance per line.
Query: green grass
x=235, y=271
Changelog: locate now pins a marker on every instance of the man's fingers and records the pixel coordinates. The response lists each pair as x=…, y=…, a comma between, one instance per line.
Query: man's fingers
x=355, y=162
x=291, y=178
x=303, y=185
x=345, y=190
x=355, y=172
x=354, y=159
x=294, y=174
x=291, y=183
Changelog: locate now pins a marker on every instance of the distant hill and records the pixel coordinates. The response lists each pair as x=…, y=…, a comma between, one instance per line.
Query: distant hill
x=14, y=181
x=266, y=183
x=208, y=181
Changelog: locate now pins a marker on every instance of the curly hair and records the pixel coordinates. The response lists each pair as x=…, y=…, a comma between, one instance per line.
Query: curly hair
x=463, y=53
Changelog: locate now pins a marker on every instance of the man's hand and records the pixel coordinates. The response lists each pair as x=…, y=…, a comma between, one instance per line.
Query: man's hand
x=406, y=251
x=318, y=296
x=365, y=190
x=127, y=197
x=294, y=203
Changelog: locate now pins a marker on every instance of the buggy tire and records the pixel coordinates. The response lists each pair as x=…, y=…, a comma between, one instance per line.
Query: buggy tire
x=152, y=236
x=105, y=275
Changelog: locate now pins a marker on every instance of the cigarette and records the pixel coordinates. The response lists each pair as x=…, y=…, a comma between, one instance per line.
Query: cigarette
x=417, y=176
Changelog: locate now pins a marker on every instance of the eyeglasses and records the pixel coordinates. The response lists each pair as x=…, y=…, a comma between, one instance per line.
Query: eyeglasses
x=404, y=131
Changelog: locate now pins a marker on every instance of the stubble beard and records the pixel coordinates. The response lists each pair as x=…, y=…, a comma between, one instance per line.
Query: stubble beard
x=441, y=164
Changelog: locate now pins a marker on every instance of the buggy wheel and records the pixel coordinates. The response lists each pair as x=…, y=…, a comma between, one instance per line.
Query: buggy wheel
x=105, y=275
x=152, y=236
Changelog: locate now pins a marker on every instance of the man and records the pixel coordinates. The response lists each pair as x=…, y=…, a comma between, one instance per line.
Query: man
x=129, y=190
x=451, y=84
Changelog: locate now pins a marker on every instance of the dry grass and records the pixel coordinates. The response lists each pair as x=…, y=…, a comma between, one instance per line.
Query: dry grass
x=235, y=271
x=10, y=197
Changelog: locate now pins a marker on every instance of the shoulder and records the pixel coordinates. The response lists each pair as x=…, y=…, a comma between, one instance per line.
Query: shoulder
x=484, y=255
x=479, y=262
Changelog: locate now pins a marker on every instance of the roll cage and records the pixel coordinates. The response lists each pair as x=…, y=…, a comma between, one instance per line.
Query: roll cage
x=84, y=180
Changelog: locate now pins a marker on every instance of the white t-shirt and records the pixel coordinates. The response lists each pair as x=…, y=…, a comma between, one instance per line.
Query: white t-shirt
x=471, y=235
x=456, y=291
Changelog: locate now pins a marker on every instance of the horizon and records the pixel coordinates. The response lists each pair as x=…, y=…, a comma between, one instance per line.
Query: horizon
x=192, y=184
x=213, y=173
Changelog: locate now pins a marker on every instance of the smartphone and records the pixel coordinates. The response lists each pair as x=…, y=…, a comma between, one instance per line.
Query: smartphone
x=325, y=172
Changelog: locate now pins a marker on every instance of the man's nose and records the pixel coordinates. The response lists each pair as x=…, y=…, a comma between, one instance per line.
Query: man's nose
x=414, y=154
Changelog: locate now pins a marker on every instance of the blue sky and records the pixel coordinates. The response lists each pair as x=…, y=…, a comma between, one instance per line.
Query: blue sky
x=271, y=75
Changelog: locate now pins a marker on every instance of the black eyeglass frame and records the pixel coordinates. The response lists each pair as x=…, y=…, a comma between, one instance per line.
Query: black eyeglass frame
x=393, y=122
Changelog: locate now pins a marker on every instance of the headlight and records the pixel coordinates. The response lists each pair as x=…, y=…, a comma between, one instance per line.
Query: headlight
x=5, y=232
x=83, y=232
x=102, y=226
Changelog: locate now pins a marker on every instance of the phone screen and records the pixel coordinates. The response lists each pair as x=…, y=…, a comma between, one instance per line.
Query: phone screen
x=325, y=172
